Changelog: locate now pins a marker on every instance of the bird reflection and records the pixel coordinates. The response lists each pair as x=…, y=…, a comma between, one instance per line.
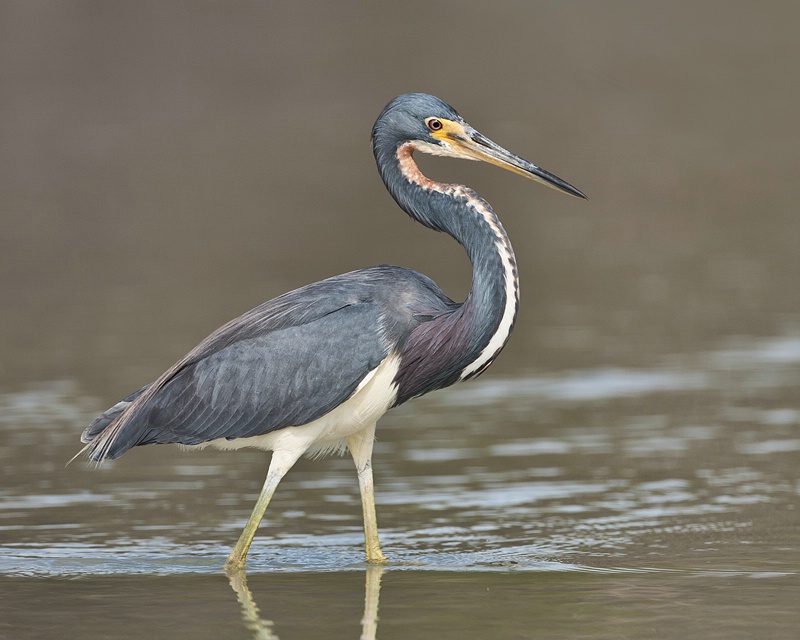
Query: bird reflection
x=372, y=591
x=262, y=628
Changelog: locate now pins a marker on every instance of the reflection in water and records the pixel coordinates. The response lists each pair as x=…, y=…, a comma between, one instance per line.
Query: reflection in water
x=262, y=629
x=372, y=590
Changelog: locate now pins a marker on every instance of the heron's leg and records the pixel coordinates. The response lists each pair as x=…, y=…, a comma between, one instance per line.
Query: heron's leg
x=360, y=445
x=281, y=462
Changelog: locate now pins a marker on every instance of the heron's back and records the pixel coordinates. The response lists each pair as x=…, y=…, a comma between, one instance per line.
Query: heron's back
x=285, y=363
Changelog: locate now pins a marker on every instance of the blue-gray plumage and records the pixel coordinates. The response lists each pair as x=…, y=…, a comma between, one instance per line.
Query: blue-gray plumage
x=313, y=370
x=285, y=363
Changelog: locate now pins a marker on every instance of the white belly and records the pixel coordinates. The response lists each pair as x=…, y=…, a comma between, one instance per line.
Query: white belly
x=373, y=397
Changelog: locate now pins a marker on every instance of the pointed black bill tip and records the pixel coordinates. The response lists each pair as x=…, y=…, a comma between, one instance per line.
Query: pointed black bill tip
x=478, y=147
x=557, y=183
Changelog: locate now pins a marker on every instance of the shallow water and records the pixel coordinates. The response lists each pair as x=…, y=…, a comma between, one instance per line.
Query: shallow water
x=591, y=503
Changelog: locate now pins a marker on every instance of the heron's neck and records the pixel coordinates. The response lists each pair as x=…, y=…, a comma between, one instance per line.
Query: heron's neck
x=484, y=322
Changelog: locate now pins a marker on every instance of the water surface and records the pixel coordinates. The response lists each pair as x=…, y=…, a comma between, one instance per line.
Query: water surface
x=588, y=503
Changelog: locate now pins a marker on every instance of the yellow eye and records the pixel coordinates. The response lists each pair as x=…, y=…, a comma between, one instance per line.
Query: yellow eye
x=434, y=124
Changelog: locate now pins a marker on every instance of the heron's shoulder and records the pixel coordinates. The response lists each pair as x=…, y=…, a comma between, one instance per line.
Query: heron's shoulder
x=400, y=283
x=393, y=295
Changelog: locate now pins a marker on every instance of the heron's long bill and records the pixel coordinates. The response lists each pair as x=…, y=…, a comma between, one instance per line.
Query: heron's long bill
x=477, y=146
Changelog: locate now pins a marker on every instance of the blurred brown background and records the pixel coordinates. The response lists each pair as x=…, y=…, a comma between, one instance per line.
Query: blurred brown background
x=166, y=166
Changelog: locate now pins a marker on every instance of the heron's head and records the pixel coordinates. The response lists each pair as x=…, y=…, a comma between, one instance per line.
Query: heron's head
x=432, y=126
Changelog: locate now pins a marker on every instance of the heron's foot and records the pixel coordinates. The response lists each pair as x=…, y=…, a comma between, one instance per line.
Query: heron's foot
x=375, y=556
x=235, y=561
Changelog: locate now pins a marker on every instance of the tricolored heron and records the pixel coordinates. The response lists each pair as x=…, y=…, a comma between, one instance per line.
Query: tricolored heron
x=313, y=370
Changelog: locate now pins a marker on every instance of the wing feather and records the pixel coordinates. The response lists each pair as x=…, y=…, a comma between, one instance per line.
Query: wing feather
x=285, y=363
x=285, y=377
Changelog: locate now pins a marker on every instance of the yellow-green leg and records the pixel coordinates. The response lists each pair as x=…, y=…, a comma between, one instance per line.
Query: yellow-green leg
x=360, y=446
x=281, y=463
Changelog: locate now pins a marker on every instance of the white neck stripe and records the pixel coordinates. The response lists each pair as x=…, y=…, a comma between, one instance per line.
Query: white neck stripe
x=411, y=172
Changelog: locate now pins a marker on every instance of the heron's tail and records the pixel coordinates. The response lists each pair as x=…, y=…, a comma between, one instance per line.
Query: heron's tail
x=98, y=435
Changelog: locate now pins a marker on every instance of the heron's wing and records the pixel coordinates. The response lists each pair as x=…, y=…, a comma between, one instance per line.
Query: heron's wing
x=285, y=363
x=110, y=415
x=287, y=377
